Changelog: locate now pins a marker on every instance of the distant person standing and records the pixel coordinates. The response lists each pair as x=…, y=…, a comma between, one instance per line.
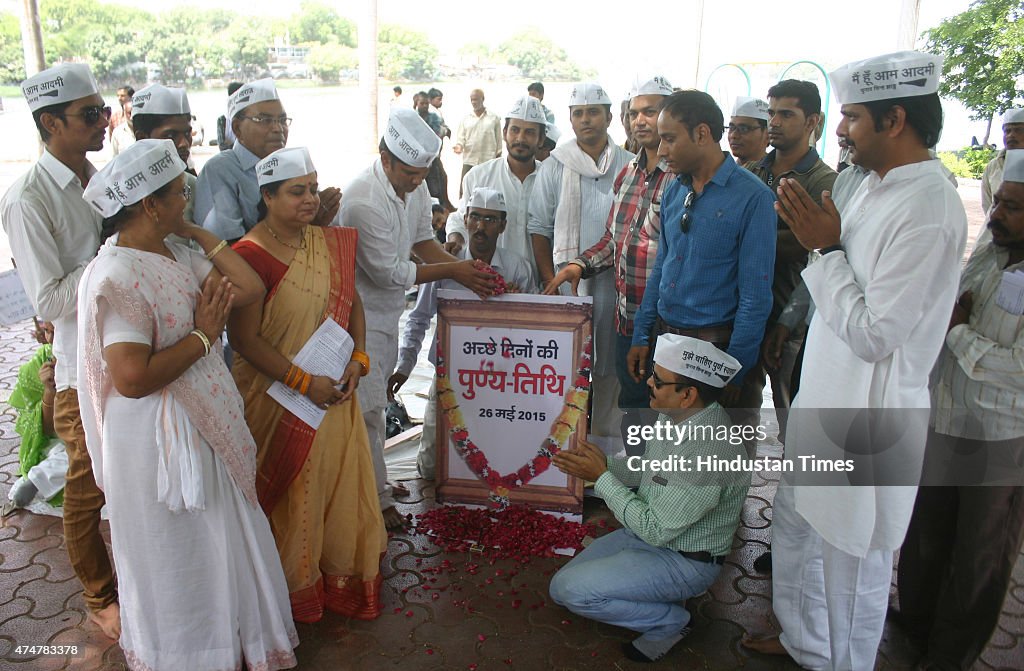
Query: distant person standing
x=748, y=130
x=124, y=97
x=536, y=90
x=396, y=99
x=1013, y=138
x=479, y=136
x=225, y=135
x=436, y=100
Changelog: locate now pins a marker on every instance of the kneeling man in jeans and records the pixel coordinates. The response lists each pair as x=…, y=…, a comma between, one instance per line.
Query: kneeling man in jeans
x=679, y=524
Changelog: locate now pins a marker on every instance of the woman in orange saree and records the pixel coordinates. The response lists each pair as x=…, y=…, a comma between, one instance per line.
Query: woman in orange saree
x=308, y=480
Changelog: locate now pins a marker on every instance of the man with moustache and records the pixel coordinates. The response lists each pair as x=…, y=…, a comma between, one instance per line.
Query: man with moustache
x=963, y=541
x=513, y=175
x=1013, y=138
x=713, y=274
x=630, y=241
x=677, y=527
x=487, y=218
x=389, y=205
x=569, y=214
x=54, y=233
x=748, y=129
x=479, y=136
x=161, y=113
x=227, y=192
x=883, y=290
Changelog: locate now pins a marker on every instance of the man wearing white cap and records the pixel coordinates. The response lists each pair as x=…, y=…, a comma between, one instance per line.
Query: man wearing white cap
x=883, y=291
x=1013, y=138
x=487, y=212
x=964, y=541
x=227, y=192
x=390, y=206
x=748, y=129
x=568, y=214
x=54, y=234
x=551, y=137
x=630, y=241
x=513, y=175
x=678, y=526
x=161, y=113
x=479, y=136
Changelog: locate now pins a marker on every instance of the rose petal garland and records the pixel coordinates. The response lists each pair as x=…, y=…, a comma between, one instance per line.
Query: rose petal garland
x=575, y=404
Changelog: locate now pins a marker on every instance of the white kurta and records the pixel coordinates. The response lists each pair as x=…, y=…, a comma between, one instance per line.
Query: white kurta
x=597, y=198
x=883, y=307
x=388, y=228
x=496, y=174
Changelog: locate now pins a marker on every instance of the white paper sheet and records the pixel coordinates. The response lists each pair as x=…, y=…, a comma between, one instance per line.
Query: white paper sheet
x=327, y=352
x=14, y=303
x=1010, y=296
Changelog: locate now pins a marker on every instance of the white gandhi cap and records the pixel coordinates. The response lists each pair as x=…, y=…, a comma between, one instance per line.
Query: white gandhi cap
x=529, y=109
x=696, y=359
x=135, y=173
x=654, y=86
x=158, y=99
x=754, y=108
x=258, y=91
x=287, y=163
x=903, y=74
x=1013, y=115
x=62, y=83
x=588, y=93
x=487, y=199
x=1013, y=168
x=410, y=139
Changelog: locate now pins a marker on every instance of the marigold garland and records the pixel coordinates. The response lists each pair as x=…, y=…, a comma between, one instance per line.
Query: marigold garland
x=575, y=404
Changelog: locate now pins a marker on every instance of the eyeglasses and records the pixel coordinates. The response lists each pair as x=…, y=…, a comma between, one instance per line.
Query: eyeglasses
x=659, y=383
x=687, y=218
x=742, y=129
x=489, y=219
x=282, y=121
x=90, y=115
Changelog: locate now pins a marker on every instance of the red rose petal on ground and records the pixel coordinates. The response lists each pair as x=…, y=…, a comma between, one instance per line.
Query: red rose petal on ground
x=481, y=638
x=430, y=651
x=408, y=613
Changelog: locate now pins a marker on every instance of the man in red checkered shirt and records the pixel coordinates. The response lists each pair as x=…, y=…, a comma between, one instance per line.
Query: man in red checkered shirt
x=630, y=243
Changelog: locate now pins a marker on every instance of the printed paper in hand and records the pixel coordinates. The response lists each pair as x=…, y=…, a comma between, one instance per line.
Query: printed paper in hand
x=327, y=352
x=14, y=303
x=1010, y=296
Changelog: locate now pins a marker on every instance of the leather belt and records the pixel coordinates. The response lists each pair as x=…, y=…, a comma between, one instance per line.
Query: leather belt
x=702, y=556
x=720, y=334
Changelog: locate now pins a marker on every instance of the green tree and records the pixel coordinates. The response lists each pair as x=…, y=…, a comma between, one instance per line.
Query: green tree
x=984, y=56
x=403, y=53
x=12, y=58
x=316, y=23
x=537, y=57
x=326, y=61
x=246, y=45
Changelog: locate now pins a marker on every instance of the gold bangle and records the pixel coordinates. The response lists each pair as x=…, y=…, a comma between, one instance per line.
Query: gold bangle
x=216, y=250
x=363, y=359
x=202, y=336
x=307, y=379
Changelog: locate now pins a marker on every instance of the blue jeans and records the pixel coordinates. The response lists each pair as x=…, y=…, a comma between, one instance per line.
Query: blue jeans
x=631, y=394
x=622, y=580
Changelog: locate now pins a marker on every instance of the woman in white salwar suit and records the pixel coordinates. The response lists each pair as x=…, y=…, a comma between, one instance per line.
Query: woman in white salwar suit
x=200, y=582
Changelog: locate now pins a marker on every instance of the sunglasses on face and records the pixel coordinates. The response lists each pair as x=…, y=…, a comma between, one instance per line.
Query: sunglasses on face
x=90, y=115
x=687, y=218
x=659, y=383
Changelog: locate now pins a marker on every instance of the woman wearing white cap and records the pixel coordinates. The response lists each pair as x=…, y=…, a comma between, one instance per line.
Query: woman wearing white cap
x=166, y=434
x=316, y=485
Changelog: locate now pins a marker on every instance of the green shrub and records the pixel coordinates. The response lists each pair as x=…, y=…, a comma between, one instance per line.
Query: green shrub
x=969, y=162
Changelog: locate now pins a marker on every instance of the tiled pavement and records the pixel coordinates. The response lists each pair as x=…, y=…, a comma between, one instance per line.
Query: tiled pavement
x=496, y=617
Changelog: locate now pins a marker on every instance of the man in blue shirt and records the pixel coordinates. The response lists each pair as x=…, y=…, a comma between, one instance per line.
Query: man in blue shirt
x=712, y=278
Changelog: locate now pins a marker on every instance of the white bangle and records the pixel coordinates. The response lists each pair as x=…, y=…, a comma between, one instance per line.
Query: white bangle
x=202, y=336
